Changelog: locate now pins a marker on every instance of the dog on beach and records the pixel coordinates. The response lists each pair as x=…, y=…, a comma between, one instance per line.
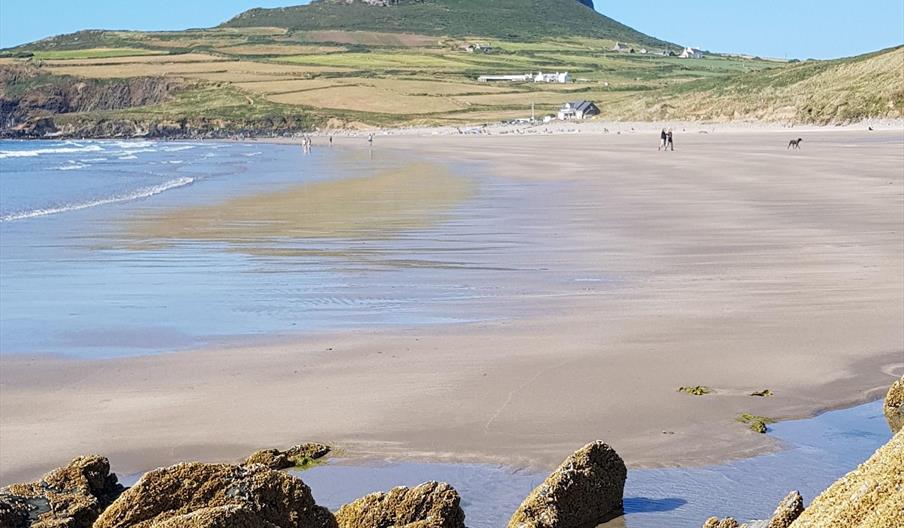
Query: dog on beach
x=794, y=143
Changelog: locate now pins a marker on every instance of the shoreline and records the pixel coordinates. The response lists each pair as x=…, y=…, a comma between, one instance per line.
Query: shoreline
x=805, y=327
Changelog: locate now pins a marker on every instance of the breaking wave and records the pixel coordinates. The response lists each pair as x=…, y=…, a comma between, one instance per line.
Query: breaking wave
x=137, y=194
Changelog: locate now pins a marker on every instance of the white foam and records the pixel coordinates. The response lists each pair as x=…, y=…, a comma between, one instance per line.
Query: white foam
x=179, y=148
x=73, y=166
x=138, y=194
x=128, y=157
x=54, y=150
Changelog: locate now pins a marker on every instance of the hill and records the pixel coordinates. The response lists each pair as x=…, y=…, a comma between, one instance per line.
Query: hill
x=510, y=19
x=820, y=92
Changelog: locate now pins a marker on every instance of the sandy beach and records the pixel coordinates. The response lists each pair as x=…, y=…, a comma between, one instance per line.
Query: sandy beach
x=732, y=263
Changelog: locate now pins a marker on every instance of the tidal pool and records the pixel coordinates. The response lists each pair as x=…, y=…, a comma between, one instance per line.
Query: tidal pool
x=818, y=451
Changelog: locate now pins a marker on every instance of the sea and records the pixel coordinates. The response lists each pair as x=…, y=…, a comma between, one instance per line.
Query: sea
x=74, y=284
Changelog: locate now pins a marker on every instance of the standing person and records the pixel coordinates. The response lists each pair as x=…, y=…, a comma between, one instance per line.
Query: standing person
x=671, y=141
x=662, y=139
x=331, y=141
x=370, y=140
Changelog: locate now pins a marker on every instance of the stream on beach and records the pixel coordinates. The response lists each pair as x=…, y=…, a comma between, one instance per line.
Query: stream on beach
x=816, y=452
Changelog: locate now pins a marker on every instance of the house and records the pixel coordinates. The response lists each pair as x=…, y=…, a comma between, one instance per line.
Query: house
x=578, y=110
x=619, y=48
x=691, y=53
x=506, y=78
x=557, y=77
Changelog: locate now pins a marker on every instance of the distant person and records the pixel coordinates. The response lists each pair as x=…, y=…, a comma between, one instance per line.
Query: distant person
x=663, y=138
x=670, y=141
x=370, y=140
x=331, y=141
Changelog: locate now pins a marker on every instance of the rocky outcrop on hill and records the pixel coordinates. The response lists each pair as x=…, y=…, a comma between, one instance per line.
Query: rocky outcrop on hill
x=871, y=496
x=587, y=489
x=894, y=406
x=216, y=495
x=430, y=505
x=294, y=456
x=29, y=96
x=68, y=497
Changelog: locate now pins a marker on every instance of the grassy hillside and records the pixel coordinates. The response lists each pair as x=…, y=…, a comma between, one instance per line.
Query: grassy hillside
x=509, y=19
x=821, y=92
x=260, y=80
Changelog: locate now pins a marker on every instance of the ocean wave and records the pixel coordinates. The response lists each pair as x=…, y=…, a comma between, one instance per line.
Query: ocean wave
x=128, y=157
x=178, y=149
x=137, y=194
x=73, y=166
x=53, y=150
x=127, y=145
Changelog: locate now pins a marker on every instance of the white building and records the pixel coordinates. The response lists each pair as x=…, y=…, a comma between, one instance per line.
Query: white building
x=578, y=110
x=619, y=48
x=557, y=77
x=691, y=53
x=506, y=78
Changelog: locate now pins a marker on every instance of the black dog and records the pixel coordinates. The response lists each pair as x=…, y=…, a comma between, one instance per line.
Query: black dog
x=795, y=143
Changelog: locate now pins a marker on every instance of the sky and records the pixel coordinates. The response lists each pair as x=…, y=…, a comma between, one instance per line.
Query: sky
x=819, y=29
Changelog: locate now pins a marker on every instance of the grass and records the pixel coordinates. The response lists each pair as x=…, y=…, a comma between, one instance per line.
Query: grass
x=757, y=424
x=523, y=19
x=93, y=53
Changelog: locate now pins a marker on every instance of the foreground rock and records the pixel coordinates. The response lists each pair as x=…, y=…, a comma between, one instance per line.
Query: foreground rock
x=871, y=496
x=587, y=489
x=68, y=497
x=430, y=505
x=216, y=496
x=298, y=455
x=788, y=510
x=894, y=406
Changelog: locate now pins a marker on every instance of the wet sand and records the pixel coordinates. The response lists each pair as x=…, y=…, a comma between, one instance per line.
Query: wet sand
x=731, y=263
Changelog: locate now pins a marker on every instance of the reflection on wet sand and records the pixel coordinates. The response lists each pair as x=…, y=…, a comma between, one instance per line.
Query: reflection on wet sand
x=371, y=207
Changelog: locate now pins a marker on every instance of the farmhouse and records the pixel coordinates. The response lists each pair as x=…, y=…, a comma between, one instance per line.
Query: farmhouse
x=552, y=77
x=691, y=53
x=578, y=110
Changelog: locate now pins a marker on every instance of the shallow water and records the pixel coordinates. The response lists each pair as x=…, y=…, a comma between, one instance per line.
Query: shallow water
x=77, y=281
x=818, y=451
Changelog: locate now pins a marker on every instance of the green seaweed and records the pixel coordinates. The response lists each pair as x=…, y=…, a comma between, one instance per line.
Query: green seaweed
x=698, y=390
x=757, y=424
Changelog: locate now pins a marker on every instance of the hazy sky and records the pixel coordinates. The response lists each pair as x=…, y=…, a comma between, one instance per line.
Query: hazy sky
x=785, y=28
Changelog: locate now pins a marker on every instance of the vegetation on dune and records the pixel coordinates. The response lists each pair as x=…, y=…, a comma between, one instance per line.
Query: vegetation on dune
x=523, y=19
x=822, y=92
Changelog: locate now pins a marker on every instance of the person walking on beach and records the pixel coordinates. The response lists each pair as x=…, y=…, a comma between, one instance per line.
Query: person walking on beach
x=331, y=141
x=662, y=139
x=670, y=141
x=370, y=140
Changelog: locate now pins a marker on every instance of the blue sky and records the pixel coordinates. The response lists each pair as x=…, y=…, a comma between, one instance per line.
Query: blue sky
x=775, y=28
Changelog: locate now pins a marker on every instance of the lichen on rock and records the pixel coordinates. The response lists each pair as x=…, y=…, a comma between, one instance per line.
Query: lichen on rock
x=299, y=455
x=871, y=496
x=894, y=406
x=72, y=496
x=216, y=496
x=430, y=505
x=587, y=489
